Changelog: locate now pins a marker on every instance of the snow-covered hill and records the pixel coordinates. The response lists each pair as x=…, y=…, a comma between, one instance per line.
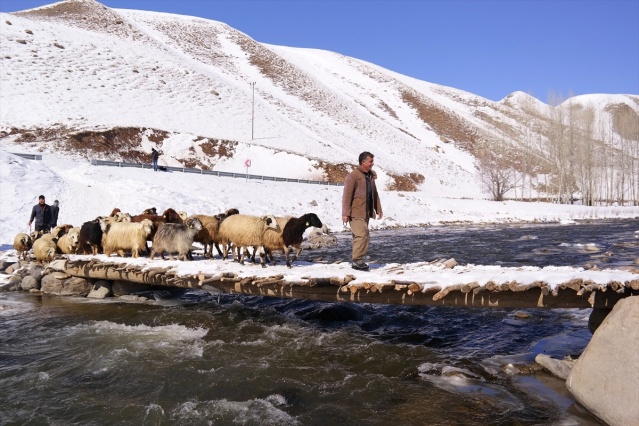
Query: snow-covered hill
x=81, y=78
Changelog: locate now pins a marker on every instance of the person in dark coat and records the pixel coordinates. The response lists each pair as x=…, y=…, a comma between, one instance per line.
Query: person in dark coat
x=154, y=156
x=41, y=212
x=55, y=209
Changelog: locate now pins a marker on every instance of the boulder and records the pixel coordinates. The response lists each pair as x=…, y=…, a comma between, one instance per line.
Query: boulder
x=36, y=271
x=4, y=264
x=29, y=282
x=605, y=378
x=10, y=269
x=100, y=290
x=318, y=239
x=74, y=286
x=14, y=282
x=558, y=367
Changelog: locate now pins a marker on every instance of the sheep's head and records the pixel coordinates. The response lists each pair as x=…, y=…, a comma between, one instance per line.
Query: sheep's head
x=103, y=223
x=152, y=210
x=270, y=221
x=74, y=237
x=183, y=215
x=311, y=219
x=194, y=224
x=147, y=226
x=122, y=217
x=171, y=216
x=60, y=230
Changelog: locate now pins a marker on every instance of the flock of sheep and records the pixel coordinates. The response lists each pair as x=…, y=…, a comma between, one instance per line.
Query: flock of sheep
x=173, y=233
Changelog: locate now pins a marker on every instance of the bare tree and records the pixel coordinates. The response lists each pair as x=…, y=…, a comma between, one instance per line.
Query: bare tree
x=496, y=171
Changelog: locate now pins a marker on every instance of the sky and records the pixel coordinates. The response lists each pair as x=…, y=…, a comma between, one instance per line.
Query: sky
x=549, y=49
x=86, y=191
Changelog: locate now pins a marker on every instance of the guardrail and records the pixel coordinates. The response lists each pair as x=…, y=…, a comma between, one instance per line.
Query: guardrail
x=212, y=172
x=28, y=156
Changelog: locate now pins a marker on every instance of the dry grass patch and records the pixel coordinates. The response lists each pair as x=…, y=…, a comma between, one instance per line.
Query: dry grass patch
x=443, y=122
x=407, y=182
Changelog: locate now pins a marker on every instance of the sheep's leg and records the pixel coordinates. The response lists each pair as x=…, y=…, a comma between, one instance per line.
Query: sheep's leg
x=297, y=255
x=241, y=254
x=288, y=261
x=269, y=255
x=263, y=257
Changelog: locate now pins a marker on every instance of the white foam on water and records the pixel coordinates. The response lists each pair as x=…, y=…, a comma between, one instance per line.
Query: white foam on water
x=122, y=340
x=223, y=411
x=170, y=332
x=11, y=307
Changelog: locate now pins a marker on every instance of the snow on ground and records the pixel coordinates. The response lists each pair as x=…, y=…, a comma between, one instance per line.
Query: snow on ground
x=87, y=191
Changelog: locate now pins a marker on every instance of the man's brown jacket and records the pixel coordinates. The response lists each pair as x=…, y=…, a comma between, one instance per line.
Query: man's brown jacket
x=354, y=197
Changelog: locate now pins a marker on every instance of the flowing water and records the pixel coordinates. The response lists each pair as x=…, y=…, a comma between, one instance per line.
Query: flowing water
x=190, y=358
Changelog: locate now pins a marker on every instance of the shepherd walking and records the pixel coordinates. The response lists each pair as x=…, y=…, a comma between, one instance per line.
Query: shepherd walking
x=41, y=212
x=360, y=202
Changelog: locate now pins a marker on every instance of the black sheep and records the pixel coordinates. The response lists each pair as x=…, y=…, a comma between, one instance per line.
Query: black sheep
x=90, y=241
x=292, y=235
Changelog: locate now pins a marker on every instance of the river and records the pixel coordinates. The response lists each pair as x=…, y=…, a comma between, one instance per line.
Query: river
x=191, y=358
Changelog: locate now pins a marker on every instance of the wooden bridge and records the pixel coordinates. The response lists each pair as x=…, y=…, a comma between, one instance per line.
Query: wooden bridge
x=593, y=290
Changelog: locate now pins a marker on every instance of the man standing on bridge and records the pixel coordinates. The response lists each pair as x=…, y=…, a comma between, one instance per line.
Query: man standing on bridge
x=360, y=202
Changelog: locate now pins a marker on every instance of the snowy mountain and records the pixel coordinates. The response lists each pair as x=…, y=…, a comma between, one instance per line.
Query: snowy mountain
x=82, y=78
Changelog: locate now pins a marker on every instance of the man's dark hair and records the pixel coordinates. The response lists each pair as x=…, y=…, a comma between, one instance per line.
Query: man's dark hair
x=364, y=155
x=41, y=197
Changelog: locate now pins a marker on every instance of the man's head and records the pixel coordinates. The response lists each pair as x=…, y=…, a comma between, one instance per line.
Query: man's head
x=56, y=202
x=41, y=199
x=366, y=161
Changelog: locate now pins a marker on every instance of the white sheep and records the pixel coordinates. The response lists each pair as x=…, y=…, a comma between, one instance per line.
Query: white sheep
x=245, y=231
x=68, y=243
x=45, y=247
x=22, y=243
x=120, y=236
x=175, y=238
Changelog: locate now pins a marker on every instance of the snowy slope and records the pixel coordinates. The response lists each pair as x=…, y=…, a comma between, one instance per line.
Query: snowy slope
x=80, y=66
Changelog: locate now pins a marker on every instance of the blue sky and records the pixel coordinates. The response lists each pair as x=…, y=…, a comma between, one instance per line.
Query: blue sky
x=489, y=48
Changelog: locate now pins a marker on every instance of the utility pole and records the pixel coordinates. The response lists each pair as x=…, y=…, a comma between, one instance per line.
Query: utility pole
x=253, y=111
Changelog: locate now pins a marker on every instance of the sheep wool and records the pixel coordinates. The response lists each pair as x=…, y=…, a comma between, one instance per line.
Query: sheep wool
x=245, y=231
x=176, y=238
x=121, y=236
x=22, y=243
x=68, y=243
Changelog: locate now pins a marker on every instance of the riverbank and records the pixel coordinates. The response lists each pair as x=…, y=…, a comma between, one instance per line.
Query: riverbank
x=87, y=191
